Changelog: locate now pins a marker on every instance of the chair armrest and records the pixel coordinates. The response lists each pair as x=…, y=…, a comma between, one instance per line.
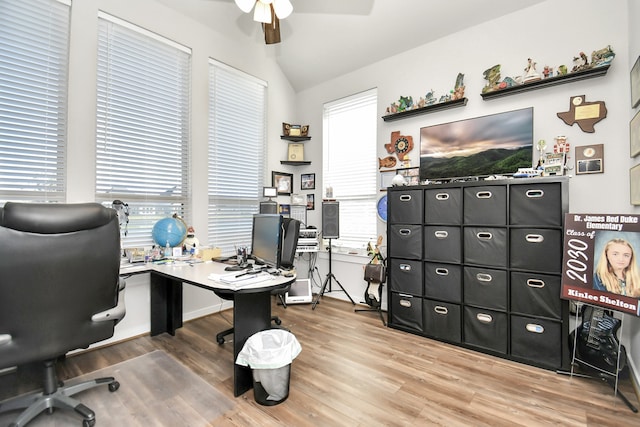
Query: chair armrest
x=116, y=313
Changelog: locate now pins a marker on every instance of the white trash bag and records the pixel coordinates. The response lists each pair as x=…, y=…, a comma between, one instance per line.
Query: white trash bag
x=269, y=354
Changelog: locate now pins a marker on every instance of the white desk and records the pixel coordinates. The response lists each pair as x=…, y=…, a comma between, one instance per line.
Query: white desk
x=251, y=305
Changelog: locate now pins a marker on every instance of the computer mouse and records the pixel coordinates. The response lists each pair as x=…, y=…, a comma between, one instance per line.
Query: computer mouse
x=288, y=275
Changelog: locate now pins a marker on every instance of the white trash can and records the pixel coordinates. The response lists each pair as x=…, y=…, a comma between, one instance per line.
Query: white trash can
x=269, y=355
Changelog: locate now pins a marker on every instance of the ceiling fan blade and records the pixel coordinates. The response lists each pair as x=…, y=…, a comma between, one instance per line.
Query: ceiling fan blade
x=272, y=30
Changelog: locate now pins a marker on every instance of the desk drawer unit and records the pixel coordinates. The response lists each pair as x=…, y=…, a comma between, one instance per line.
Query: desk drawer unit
x=443, y=282
x=405, y=276
x=443, y=206
x=442, y=320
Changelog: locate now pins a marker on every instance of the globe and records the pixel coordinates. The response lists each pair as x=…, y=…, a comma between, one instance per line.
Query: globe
x=169, y=230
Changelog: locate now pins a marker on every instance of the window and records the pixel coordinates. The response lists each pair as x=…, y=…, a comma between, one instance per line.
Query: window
x=142, y=147
x=349, y=164
x=34, y=38
x=237, y=145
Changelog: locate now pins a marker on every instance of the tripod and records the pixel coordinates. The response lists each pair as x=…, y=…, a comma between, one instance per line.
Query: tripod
x=327, y=280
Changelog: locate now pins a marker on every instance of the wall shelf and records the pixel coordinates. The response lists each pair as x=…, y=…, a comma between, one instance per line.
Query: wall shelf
x=296, y=138
x=551, y=81
x=424, y=110
x=292, y=163
x=298, y=151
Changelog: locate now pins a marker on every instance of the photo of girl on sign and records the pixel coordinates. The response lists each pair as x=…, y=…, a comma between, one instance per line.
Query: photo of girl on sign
x=616, y=269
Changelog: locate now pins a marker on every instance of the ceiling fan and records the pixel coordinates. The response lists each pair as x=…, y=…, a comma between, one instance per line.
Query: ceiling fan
x=268, y=13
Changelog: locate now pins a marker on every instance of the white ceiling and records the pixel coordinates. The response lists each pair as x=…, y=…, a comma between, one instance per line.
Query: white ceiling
x=323, y=39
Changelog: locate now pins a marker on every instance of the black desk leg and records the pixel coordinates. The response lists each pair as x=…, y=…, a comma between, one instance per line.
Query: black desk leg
x=166, y=305
x=251, y=314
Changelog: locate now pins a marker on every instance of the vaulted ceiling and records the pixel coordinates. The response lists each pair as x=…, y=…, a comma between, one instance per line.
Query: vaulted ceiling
x=323, y=39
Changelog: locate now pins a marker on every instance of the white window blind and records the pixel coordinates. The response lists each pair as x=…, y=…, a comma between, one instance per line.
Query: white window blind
x=349, y=165
x=34, y=37
x=143, y=118
x=237, y=146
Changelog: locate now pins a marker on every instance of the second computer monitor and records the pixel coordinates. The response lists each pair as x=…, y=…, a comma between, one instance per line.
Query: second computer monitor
x=266, y=239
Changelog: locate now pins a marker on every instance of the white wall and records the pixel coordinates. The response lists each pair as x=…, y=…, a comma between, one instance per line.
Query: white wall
x=551, y=33
x=249, y=57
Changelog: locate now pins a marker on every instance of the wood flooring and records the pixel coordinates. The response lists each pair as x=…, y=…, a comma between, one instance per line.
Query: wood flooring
x=353, y=371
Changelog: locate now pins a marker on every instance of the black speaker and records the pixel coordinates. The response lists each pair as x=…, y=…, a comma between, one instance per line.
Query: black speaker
x=268, y=207
x=330, y=220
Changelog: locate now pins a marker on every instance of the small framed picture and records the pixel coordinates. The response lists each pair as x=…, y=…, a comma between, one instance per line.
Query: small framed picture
x=635, y=84
x=283, y=182
x=634, y=135
x=308, y=181
x=634, y=183
x=284, y=210
x=386, y=178
x=311, y=202
x=590, y=159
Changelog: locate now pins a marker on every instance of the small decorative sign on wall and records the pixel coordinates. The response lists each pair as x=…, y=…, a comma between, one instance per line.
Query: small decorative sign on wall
x=590, y=159
x=585, y=114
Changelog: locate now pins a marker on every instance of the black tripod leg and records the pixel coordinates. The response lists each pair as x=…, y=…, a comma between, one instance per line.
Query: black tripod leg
x=344, y=290
x=324, y=285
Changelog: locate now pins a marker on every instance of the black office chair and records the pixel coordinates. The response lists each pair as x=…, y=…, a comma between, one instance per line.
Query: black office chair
x=291, y=228
x=59, y=291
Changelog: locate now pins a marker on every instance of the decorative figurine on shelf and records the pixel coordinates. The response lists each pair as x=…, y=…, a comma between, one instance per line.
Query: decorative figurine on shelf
x=393, y=108
x=458, y=90
x=445, y=98
x=405, y=103
x=581, y=62
x=602, y=57
x=430, y=98
x=562, y=70
x=547, y=72
x=492, y=76
x=530, y=73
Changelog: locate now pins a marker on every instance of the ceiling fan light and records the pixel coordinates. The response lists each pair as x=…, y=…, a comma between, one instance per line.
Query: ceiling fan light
x=262, y=13
x=283, y=8
x=245, y=5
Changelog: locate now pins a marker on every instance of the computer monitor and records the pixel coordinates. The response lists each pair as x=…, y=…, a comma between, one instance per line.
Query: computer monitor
x=266, y=239
x=269, y=192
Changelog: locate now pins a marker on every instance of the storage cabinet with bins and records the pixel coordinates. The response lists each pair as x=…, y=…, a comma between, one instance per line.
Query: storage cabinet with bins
x=478, y=264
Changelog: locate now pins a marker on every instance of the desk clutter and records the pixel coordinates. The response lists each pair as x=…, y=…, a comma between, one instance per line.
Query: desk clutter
x=238, y=280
